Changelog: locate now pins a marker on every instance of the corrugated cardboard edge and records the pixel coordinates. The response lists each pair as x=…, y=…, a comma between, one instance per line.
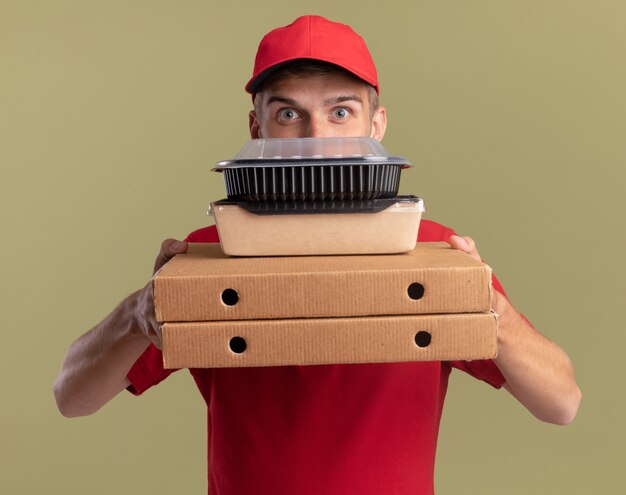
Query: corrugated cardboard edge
x=189, y=287
x=330, y=340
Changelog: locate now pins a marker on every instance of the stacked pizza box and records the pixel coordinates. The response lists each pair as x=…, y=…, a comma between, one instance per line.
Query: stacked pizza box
x=318, y=264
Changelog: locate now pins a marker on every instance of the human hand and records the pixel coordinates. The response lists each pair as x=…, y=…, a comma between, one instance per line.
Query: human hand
x=499, y=303
x=537, y=372
x=465, y=244
x=145, y=313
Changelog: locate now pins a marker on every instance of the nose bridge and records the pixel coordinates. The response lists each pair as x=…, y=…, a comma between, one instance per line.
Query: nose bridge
x=317, y=126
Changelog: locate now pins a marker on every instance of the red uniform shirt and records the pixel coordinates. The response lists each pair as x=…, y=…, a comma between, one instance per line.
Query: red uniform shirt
x=329, y=429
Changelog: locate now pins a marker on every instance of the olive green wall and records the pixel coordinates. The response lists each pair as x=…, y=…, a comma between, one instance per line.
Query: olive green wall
x=112, y=114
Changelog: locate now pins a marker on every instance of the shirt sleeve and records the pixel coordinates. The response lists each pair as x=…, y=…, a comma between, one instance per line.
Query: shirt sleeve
x=147, y=371
x=484, y=369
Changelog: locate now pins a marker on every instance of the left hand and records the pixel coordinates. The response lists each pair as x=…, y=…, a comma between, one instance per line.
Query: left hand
x=538, y=373
x=467, y=245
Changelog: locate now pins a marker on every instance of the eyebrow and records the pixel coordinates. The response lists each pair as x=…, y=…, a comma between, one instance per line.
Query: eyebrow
x=333, y=100
x=282, y=99
x=340, y=99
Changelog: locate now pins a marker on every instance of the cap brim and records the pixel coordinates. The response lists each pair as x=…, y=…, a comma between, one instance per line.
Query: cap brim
x=256, y=82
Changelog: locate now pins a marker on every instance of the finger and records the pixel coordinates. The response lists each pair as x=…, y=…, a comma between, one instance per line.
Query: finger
x=172, y=247
x=150, y=327
x=465, y=244
x=169, y=248
x=158, y=340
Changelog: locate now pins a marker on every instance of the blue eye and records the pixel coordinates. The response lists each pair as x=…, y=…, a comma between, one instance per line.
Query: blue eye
x=341, y=113
x=288, y=114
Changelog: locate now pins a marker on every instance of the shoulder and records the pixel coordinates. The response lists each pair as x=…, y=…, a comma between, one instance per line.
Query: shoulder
x=205, y=234
x=430, y=231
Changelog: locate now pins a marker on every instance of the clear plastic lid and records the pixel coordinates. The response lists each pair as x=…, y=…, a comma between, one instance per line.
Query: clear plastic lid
x=313, y=151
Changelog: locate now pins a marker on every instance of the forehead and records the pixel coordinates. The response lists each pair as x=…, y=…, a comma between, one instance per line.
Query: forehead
x=319, y=86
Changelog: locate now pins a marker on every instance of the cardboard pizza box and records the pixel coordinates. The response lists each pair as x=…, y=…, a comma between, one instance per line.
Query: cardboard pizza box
x=204, y=284
x=329, y=340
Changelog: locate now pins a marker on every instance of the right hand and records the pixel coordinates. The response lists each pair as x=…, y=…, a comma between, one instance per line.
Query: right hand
x=145, y=313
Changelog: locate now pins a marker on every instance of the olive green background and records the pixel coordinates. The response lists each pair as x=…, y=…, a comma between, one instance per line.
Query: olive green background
x=113, y=113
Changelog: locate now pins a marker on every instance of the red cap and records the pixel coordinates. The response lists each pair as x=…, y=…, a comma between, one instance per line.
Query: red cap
x=316, y=38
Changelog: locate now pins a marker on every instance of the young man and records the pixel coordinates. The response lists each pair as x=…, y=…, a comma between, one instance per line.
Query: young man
x=366, y=428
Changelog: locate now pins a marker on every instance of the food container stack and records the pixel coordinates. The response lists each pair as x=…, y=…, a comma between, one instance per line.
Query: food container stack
x=314, y=196
x=318, y=264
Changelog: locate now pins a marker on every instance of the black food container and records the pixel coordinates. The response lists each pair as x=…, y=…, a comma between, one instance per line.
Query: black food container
x=312, y=169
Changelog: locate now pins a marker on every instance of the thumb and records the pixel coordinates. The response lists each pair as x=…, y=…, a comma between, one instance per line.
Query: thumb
x=465, y=244
x=169, y=249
